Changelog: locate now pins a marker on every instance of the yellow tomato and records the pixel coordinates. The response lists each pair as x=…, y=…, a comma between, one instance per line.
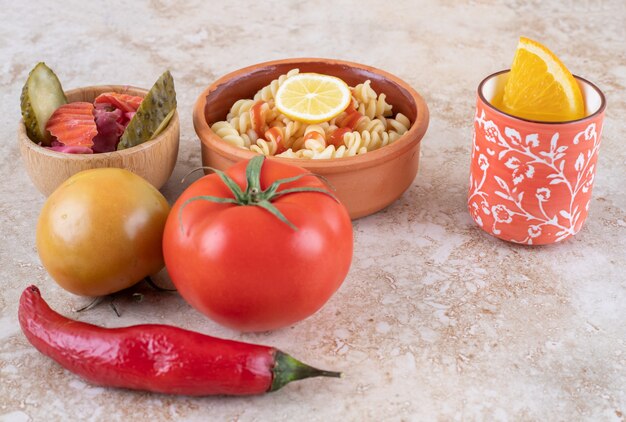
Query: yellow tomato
x=101, y=231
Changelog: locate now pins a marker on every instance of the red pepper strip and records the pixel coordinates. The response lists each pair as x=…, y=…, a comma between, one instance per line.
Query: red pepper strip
x=158, y=358
x=336, y=136
x=256, y=117
x=274, y=134
x=351, y=120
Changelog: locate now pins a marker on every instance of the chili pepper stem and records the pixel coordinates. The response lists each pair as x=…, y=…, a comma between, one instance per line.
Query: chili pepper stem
x=287, y=369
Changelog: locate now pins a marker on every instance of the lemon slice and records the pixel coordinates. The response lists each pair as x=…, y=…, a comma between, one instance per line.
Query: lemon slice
x=540, y=87
x=312, y=97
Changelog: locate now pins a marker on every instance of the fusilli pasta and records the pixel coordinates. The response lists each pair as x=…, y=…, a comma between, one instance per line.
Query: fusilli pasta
x=267, y=93
x=366, y=125
x=229, y=134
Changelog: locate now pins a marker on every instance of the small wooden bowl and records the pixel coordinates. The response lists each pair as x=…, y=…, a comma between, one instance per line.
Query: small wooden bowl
x=153, y=160
x=365, y=183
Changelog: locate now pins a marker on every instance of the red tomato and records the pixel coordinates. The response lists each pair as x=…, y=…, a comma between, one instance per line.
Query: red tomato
x=243, y=266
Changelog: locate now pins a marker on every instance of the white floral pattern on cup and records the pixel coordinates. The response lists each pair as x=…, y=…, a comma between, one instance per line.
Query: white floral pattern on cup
x=539, y=180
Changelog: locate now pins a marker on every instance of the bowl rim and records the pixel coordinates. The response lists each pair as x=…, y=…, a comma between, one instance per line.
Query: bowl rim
x=408, y=140
x=30, y=144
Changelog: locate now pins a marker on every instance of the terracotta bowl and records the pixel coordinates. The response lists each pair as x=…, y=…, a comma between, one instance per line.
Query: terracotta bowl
x=365, y=183
x=153, y=160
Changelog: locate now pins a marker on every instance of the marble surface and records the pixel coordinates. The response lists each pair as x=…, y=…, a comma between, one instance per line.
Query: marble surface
x=436, y=319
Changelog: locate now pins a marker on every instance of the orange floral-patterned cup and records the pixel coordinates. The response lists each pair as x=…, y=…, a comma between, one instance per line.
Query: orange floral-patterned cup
x=530, y=182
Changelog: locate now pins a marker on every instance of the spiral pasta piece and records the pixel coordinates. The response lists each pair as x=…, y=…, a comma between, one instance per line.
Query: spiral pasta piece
x=316, y=145
x=229, y=134
x=400, y=124
x=242, y=122
x=265, y=147
x=375, y=107
x=268, y=93
x=254, y=116
x=363, y=93
x=240, y=106
x=355, y=143
x=376, y=140
x=290, y=153
x=327, y=128
x=394, y=136
x=291, y=131
x=314, y=131
x=336, y=152
x=372, y=125
x=250, y=137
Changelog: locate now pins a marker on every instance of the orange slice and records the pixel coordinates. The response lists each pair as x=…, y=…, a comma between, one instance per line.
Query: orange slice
x=540, y=87
x=312, y=97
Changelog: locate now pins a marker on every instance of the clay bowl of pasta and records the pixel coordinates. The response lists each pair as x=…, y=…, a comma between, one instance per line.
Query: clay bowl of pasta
x=369, y=152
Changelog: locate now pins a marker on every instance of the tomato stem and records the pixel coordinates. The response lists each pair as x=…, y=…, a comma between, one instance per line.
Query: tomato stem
x=137, y=297
x=112, y=305
x=254, y=195
x=156, y=287
x=253, y=175
x=90, y=305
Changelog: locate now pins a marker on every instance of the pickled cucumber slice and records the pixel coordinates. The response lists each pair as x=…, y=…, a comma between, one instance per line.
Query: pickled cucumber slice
x=163, y=124
x=41, y=96
x=152, y=115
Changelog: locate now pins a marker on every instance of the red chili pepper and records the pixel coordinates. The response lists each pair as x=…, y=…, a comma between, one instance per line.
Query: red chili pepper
x=158, y=358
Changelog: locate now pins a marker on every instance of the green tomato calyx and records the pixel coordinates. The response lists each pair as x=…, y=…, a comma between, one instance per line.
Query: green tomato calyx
x=254, y=195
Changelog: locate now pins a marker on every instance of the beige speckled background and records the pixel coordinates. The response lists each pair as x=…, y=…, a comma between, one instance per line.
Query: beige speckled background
x=436, y=320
